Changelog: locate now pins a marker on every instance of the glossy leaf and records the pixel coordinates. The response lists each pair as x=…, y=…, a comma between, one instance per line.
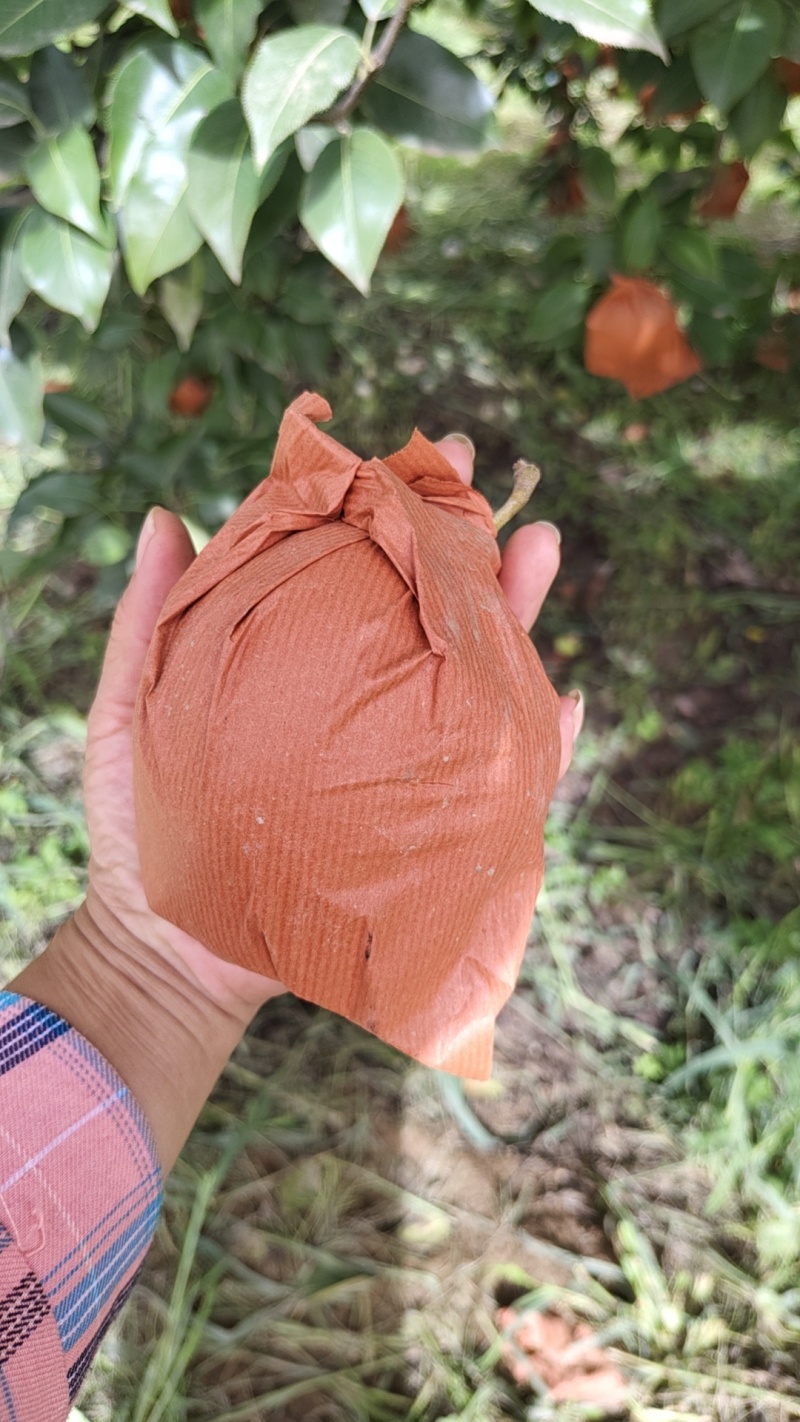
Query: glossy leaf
x=729, y=57
x=60, y=94
x=160, y=93
x=430, y=99
x=65, y=179
x=310, y=141
x=26, y=25
x=293, y=76
x=558, y=312
x=626, y=23
x=228, y=28
x=224, y=188
x=21, y=387
x=350, y=201
x=13, y=286
x=757, y=117
x=65, y=267
x=156, y=10
x=14, y=101
x=180, y=296
x=674, y=17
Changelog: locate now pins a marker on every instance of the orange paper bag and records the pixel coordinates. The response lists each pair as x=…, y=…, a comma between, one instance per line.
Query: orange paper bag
x=632, y=335
x=345, y=746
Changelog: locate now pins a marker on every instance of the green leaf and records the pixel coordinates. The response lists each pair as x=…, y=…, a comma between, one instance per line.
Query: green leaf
x=59, y=92
x=156, y=10
x=180, y=297
x=378, y=9
x=75, y=415
x=14, y=104
x=228, y=28
x=21, y=386
x=13, y=286
x=729, y=58
x=224, y=188
x=674, y=17
x=65, y=267
x=159, y=95
x=693, y=251
x=598, y=174
x=350, y=200
x=65, y=179
x=558, y=313
x=14, y=149
x=318, y=12
x=428, y=98
x=790, y=48
x=293, y=76
x=26, y=25
x=640, y=233
x=676, y=90
x=69, y=494
x=625, y=23
x=757, y=117
x=310, y=141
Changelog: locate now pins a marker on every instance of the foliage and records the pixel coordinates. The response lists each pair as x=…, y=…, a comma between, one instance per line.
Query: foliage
x=181, y=184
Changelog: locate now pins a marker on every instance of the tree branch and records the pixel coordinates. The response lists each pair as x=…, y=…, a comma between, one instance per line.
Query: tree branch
x=374, y=64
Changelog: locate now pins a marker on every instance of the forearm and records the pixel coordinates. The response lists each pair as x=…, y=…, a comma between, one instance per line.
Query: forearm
x=143, y=1013
x=80, y=1192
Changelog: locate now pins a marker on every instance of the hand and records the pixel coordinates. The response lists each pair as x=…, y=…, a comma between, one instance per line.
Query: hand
x=164, y=1010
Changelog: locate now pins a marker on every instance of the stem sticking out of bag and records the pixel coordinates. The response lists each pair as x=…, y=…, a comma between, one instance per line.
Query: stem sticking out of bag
x=526, y=477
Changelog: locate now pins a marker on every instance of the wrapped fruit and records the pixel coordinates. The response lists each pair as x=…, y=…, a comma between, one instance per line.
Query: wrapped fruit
x=723, y=195
x=345, y=746
x=632, y=335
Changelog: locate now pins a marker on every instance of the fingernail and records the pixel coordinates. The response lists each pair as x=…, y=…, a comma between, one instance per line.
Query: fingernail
x=556, y=532
x=580, y=707
x=148, y=529
x=462, y=439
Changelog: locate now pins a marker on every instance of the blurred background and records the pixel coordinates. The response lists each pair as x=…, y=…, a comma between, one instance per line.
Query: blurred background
x=571, y=231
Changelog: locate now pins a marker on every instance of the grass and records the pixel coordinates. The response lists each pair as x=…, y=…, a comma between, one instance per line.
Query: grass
x=342, y=1227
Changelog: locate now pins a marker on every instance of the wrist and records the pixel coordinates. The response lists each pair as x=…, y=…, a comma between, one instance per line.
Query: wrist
x=144, y=1010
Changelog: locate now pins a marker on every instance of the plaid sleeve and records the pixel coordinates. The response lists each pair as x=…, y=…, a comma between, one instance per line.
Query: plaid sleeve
x=80, y=1192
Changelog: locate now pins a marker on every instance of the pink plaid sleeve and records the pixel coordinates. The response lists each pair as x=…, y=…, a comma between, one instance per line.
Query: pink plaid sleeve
x=80, y=1192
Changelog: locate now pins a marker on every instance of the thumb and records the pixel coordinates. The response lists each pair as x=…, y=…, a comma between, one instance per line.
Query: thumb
x=164, y=553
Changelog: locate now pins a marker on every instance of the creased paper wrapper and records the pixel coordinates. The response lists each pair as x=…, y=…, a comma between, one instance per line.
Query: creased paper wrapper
x=345, y=746
x=632, y=335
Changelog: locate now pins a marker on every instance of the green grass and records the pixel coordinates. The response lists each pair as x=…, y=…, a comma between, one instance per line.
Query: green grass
x=342, y=1227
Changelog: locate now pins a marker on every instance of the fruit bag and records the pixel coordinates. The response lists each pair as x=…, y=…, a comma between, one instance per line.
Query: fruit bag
x=345, y=746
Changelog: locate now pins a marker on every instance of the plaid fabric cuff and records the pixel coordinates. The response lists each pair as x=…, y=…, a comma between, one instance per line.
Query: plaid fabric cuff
x=80, y=1193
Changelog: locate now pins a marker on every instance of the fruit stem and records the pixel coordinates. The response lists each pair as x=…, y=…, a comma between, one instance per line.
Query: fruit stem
x=526, y=477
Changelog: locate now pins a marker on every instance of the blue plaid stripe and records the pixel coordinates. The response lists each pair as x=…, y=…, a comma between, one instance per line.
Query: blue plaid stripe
x=25, y=1035
x=75, y=1313
x=10, y=1414
x=83, y=1362
x=149, y=1189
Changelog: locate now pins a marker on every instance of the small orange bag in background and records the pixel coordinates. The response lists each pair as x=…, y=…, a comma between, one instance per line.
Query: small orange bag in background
x=632, y=335
x=345, y=746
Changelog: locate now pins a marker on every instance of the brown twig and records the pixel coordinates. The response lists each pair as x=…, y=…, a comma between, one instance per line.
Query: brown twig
x=526, y=477
x=375, y=62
